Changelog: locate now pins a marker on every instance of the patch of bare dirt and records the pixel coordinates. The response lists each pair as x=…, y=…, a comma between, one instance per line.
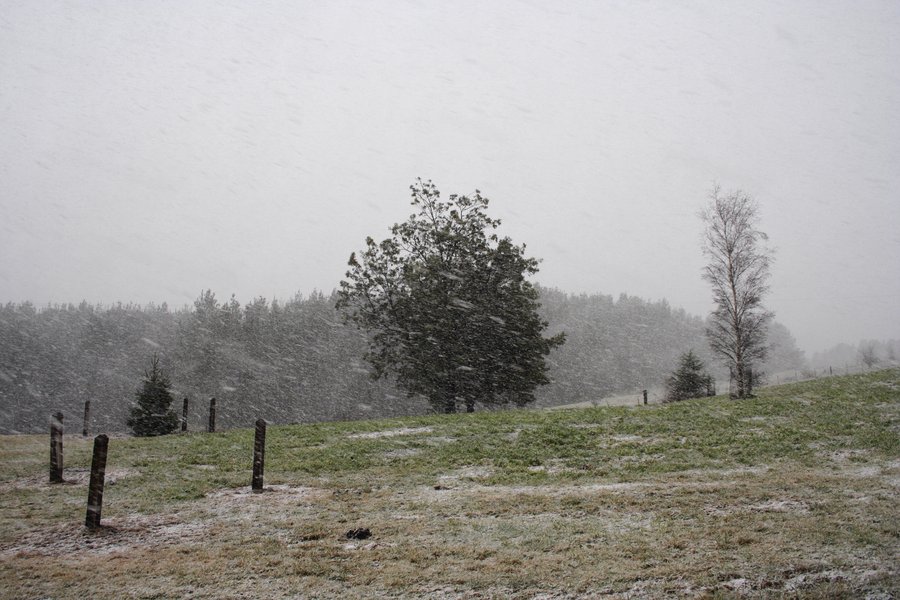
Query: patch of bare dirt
x=891, y=385
x=851, y=462
x=792, y=583
x=372, y=435
x=778, y=506
x=465, y=481
x=126, y=533
x=724, y=473
x=769, y=419
x=76, y=476
x=118, y=534
x=402, y=453
x=242, y=498
x=553, y=467
x=630, y=439
x=465, y=474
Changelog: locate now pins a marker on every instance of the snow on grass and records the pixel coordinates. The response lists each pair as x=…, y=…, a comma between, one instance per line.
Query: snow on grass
x=372, y=435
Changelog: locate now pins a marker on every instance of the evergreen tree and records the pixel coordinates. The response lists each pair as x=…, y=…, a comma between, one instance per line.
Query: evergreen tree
x=690, y=380
x=152, y=415
x=448, y=308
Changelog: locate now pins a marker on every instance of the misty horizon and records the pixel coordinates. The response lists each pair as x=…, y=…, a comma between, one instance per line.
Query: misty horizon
x=154, y=151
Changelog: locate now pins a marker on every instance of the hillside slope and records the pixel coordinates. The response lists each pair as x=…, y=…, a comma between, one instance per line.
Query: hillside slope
x=792, y=493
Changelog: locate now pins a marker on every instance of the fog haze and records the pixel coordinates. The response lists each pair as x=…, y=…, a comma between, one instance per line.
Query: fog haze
x=151, y=150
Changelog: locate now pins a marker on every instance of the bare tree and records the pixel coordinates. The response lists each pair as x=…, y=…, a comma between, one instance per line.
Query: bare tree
x=867, y=355
x=738, y=271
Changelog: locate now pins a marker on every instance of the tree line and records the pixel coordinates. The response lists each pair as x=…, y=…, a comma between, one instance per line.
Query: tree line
x=297, y=361
x=867, y=353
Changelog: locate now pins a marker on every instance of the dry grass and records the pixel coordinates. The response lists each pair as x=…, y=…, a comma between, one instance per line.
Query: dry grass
x=817, y=520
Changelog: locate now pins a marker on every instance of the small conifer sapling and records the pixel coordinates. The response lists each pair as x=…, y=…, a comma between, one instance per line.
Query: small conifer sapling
x=152, y=415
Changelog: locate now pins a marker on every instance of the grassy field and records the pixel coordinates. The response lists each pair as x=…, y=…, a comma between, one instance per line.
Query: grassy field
x=791, y=494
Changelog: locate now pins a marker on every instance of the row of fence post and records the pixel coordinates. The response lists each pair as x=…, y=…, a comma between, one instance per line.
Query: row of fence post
x=211, y=425
x=101, y=447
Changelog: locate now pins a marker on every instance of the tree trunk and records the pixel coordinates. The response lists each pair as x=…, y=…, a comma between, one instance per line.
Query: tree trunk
x=739, y=379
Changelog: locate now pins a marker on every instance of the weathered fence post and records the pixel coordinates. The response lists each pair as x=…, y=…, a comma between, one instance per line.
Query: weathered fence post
x=87, y=418
x=95, y=489
x=184, y=409
x=645, y=397
x=56, y=448
x=212, y=416
x=259, y=455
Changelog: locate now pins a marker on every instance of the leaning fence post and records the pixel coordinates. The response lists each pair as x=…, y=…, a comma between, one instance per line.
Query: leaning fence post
x=95, y=489
x=87, y=418
x=56, y=448
x=259, y=455
x=184, y=410
x=212, y=416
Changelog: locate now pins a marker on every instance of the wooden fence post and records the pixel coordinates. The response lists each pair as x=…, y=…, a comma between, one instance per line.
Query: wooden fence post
x=56, y=448
x=259, y=455
x=645, y=397
x=95, y=489
x=87, y=418
x=212, y=416
x=184, y=410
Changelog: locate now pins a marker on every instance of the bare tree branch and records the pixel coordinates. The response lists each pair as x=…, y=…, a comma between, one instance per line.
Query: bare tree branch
x=738, y=273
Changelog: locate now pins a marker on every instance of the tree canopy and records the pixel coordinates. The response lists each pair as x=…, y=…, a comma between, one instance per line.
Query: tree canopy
x=447, y=306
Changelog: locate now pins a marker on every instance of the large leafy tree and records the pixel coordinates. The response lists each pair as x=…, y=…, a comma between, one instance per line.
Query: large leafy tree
x=449, y=311
x=738, y=271
x=152, y=415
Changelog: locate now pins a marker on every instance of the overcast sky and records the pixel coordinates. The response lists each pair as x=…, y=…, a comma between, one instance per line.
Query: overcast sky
x=149, y=150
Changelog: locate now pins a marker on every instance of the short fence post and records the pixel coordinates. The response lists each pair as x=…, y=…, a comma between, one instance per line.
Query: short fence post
x=212, y=416
x=259, y=455
x=645, y=397
x=184, y=410
x=56, y=448
x=87, y=418
x=95, y=489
